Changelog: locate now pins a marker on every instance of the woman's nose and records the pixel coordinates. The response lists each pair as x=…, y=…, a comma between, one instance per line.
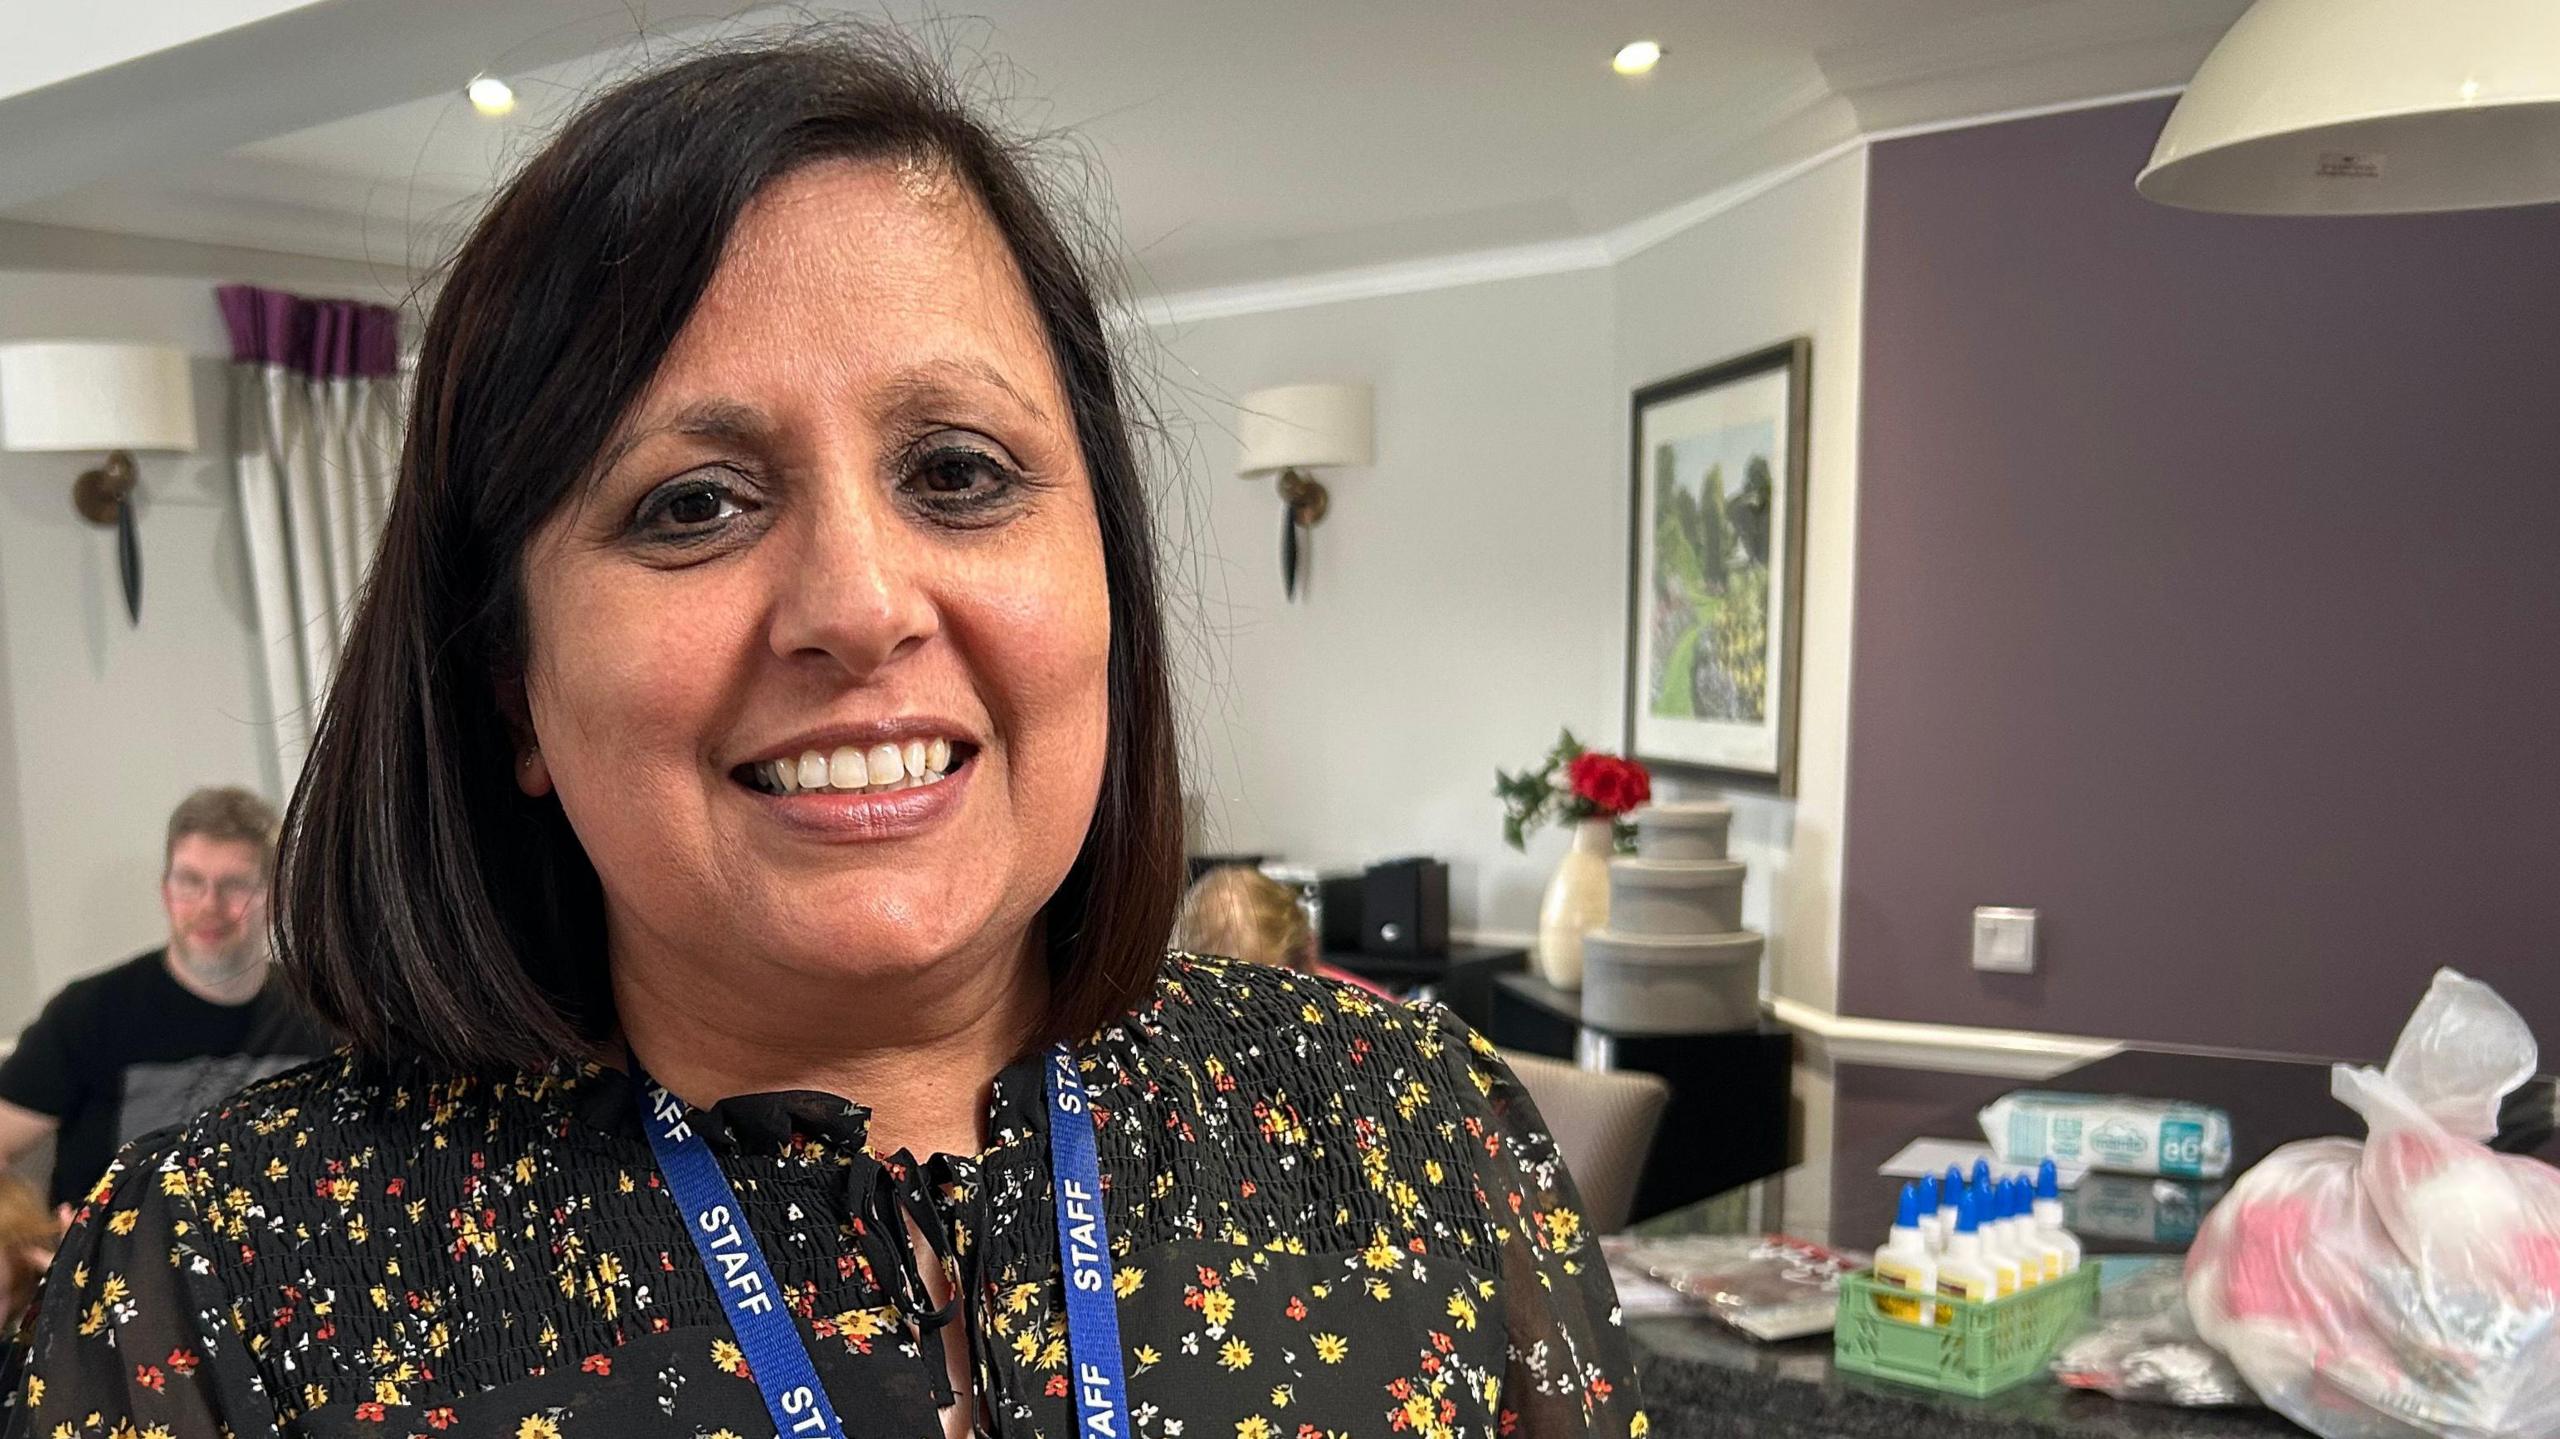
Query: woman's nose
x=854, y=592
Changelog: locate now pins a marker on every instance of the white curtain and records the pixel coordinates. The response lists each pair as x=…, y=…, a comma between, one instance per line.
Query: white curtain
x=316, y=396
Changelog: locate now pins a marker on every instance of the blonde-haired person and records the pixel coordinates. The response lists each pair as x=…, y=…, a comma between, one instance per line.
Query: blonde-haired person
x=1242, y=913
x=27, y=1232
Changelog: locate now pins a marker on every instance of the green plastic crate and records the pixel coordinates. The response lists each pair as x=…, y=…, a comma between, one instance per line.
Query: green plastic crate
x=1976, y=1348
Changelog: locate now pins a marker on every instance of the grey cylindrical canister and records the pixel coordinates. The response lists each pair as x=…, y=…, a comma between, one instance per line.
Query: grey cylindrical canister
x=1672, y=898
x=1633, y=984
x=1683, y=829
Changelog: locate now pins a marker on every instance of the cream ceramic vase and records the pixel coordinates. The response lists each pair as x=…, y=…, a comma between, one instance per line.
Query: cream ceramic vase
x=1577, y=903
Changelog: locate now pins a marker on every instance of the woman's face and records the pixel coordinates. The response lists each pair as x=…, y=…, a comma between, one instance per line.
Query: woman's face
x=844, y=537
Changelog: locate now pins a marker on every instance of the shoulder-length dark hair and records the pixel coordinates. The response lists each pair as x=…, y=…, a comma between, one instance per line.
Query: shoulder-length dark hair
x=423, y=904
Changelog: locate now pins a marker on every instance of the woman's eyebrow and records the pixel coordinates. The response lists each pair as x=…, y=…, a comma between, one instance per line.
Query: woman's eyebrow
x=715, y=419
x=931, y=379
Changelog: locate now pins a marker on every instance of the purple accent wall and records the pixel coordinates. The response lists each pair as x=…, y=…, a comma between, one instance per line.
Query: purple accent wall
x=2208, y=600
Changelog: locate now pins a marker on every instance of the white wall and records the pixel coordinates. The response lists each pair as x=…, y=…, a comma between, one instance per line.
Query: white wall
x=1466, y=594
x=104, y=726
x=1787, y=262
x=1471, y=589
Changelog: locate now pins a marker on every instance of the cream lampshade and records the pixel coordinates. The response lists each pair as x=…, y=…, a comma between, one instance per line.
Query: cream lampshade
x=80, y=395
x=2369, y=107
x=1290, y=429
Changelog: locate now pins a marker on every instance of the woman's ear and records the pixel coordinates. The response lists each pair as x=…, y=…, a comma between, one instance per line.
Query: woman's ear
x=533, y=773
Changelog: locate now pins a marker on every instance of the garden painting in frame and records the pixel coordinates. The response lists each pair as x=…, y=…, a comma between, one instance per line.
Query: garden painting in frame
x=1715, y=580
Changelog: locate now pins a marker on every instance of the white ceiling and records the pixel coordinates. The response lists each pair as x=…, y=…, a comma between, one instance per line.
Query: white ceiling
x=1235, y=141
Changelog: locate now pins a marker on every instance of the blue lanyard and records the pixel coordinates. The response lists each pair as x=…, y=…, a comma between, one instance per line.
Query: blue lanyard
x=775, y=1355
x=1084, y=1250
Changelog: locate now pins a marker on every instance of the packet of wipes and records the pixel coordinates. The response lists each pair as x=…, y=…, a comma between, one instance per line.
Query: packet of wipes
x=2116, y=1132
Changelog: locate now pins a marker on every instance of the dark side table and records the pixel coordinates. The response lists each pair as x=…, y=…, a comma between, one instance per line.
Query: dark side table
x=1728, y=1122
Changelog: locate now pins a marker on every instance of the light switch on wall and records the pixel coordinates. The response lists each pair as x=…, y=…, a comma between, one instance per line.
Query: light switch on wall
x=2004, y=940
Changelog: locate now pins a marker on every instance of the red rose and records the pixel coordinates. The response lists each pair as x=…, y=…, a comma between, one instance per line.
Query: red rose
x=1612, y=785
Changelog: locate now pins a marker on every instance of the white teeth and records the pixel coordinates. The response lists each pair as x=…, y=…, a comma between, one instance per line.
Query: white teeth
x=888, y=766
x=882, y=769
x=846, y=770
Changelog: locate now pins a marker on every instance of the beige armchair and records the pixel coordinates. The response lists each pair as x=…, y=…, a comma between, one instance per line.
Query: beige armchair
x=1604, y=1122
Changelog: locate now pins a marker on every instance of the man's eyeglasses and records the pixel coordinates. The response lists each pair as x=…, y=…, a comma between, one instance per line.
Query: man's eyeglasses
x=192, y=887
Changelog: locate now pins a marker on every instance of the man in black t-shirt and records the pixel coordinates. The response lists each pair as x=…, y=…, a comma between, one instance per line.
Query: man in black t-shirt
x=163, y=1036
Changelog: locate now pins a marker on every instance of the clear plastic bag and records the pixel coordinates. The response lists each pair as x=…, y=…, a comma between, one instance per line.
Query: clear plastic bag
x=2141, y=1346
x=2409, y=1284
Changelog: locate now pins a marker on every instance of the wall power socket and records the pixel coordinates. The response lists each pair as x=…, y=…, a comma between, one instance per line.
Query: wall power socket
x=2004, y=940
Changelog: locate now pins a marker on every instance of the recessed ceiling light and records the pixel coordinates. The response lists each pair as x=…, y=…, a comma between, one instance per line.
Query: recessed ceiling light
x=491, y=96
x=1637, y=58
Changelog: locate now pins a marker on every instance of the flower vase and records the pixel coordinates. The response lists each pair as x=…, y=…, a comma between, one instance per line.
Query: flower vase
x=1577, y=902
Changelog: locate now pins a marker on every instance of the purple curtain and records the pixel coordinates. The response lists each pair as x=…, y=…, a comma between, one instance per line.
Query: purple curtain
x=326, y=339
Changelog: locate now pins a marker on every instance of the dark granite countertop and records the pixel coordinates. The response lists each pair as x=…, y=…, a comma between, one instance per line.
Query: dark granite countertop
x=1704, y=1382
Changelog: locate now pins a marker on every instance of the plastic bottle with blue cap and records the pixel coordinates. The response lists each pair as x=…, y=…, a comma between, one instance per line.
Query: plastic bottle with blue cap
x=1963, y=1271
x=1931, y=1236
x=1906, y=1264
x=2066, y=1245
x=1948, y=1189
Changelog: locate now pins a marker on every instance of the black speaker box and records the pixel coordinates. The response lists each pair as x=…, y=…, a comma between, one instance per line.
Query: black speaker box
x=1404, y=907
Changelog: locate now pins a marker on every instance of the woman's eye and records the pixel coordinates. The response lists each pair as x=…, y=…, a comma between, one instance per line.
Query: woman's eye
x=959, y=479
x=687, y=509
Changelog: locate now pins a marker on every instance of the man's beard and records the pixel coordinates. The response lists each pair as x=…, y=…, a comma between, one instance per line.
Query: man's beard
x=221, y=963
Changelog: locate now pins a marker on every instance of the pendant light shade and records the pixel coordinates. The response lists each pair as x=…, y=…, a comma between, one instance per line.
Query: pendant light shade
x=2369, y=107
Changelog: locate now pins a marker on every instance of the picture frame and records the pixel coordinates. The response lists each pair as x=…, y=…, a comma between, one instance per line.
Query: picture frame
x=1715, y=591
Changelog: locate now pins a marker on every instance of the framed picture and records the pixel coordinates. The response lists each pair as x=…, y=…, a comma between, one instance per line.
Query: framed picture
x=1715, y=568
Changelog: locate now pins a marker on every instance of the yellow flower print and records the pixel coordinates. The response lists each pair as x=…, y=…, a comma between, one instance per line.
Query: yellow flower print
x=1255, y=1427
x=1026, y=1346
x=1147, y=1355
x=1331, y=1348
x=1380, y=1254
x=1235, y=1354
x=537, y=1426
x=1378, y=1290
x=122, y=1221
x=1017, y=1300
x=725, y=1355
x=1218, y=1306
x=1125, y=1282
x=1639, y=1426
x=35, y=1390
x=1563, y=1227
x=1462, y=1309
x=1281, y=1394
x=1053, y=1355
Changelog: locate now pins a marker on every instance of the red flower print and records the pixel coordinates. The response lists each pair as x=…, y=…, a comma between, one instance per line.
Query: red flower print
x=1057, y=1388
x=393, y=1187
x=184, y=1360
x=1510, y=1420
x=370, y=1411
x=1297, y=1307
x=150, y=1377
x=1612, y=785
x=597, y=1364
x=440, y=1418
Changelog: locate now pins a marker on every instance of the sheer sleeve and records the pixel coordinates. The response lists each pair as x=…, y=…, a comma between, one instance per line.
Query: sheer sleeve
x=1570, y=1371
x=132, y=1335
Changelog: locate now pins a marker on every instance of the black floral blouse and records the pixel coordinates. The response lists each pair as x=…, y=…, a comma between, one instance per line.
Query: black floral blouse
x=1331, y=1215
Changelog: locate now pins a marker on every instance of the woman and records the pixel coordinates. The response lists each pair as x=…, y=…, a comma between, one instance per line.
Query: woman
x=752, y=759
x=1242, y=913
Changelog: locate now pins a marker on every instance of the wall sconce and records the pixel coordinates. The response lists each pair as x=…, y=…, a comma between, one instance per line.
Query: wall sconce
x=1290, y=429
x=78, y=395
